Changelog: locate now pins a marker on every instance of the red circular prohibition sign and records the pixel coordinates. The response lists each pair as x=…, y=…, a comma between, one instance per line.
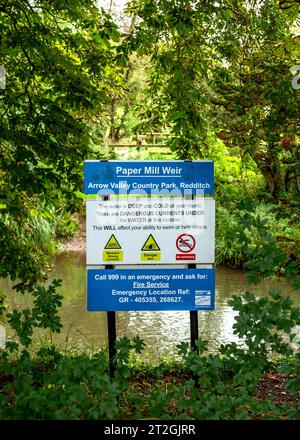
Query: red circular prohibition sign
x=186, y=241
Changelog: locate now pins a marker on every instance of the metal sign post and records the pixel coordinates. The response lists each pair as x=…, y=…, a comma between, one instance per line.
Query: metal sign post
x=112, y=335
x=194, y=326
x=112, y=339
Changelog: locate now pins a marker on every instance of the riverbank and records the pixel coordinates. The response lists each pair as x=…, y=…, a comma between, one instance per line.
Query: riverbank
x=78, y=241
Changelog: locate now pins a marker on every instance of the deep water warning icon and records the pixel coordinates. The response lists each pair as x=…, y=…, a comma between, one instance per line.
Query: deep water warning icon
x=150, y=244
x=150, y=250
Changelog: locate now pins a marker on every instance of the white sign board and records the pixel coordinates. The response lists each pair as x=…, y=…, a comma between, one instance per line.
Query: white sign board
x=150, y=231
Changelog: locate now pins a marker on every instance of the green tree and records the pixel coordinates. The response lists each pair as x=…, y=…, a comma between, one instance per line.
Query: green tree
x=173, y=34
x=224, y=68
x=59, y=58
x=256, y=107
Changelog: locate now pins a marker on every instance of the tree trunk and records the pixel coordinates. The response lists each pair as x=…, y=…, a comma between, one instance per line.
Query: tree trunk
x=269, y=166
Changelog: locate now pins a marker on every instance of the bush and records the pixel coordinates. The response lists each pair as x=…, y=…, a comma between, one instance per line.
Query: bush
x=257, y=233
x=50, y=385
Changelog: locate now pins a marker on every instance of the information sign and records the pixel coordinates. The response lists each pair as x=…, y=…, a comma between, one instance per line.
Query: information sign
x=149, y=177
x=150, y=289
x=150, y=230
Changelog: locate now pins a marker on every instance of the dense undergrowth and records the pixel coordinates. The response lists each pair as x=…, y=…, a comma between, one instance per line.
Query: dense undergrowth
x=53, y=385
x=284, y=230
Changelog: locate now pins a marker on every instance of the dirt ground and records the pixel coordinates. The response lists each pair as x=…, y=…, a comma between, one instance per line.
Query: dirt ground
x=272, y=384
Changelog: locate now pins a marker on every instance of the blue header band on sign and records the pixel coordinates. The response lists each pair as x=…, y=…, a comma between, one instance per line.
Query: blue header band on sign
x=150, y=289
x=149, y=177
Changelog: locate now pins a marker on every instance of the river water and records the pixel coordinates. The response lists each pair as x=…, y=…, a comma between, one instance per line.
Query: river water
x=161, y=331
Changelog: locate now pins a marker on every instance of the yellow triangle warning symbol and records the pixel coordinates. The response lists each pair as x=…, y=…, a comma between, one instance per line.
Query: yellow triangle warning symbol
x=150, y=244
x=112, y=243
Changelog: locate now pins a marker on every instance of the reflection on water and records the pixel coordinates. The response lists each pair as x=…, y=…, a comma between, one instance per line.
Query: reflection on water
x=161, y=331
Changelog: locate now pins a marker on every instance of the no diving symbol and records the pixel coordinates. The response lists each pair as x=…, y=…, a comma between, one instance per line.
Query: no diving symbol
x=185, y=243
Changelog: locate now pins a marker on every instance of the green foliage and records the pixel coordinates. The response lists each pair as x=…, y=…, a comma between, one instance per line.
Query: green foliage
x=58, y=387
x=261, y=321
x=223, y=385
x=60, y=63
x=229, y=249
x=224, y=69
x=50, y=385
x=258, y=236
x=2, y=305
x=129, y=110
x=291, y=368
x=65, y=225
x=227, y=381
x=216, y=71
x=44, y=313
x=264, y=255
